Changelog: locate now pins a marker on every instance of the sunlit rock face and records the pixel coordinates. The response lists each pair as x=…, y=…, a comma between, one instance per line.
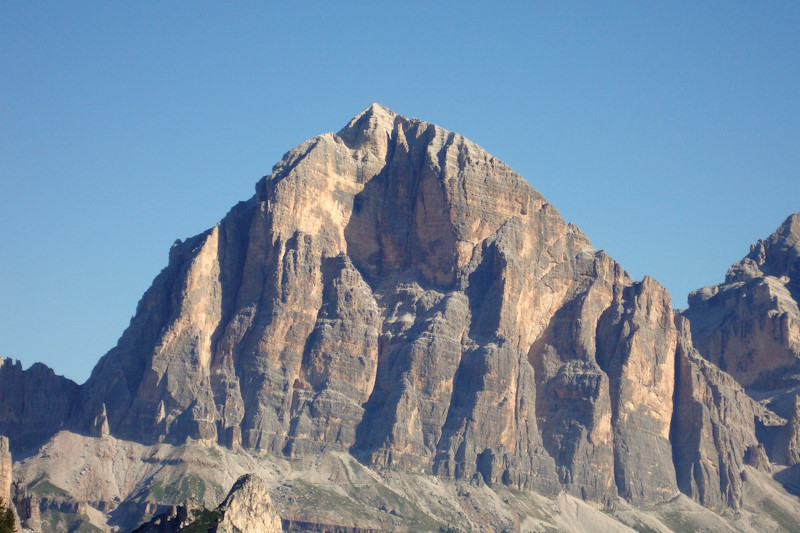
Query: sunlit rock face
x=248, y=507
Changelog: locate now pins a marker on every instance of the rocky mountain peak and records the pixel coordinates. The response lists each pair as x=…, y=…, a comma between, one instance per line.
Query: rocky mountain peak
x=777, y=256
x=374, y=121
x=248, y=507
x=397, y=291
x=750, y=324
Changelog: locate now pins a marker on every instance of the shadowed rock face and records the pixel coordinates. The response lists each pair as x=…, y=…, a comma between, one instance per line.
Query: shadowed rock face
x=714, y=429
x=750, y=325
x=34, y=404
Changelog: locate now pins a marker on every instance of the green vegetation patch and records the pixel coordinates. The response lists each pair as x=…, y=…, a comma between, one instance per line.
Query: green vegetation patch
x=46, y=487
x=72, y=523
x=157, y=491
x=204, y=520
x=641, y=527
x=189, y=487
x=312, y=498
x=192, y=487
x=632, y=522
x=678, y=521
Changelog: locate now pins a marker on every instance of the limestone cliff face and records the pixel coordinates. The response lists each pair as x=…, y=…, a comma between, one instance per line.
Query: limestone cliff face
x=750, y=325
x=605, y=368
x=396, y=291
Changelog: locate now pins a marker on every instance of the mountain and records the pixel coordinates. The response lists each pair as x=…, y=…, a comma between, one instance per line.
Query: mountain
x=750, y=325
x=396, y=297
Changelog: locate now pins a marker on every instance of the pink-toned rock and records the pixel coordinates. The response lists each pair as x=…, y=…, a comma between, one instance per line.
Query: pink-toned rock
x=6, y=474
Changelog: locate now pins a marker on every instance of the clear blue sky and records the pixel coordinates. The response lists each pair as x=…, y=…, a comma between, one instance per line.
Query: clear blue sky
x=668, y=131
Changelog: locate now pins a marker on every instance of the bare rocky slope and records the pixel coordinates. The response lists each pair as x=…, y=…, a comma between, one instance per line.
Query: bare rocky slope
x=396, y=295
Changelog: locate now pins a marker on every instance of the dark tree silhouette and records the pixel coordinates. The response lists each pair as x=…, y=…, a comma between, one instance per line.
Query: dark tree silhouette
x=6, y=518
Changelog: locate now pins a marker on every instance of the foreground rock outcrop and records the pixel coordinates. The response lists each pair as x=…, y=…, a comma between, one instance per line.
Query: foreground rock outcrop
x=247, y=508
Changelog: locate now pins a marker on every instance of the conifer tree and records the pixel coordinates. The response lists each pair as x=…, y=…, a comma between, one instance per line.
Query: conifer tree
x=6, y=518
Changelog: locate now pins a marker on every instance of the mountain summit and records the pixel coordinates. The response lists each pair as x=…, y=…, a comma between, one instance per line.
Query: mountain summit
x=396, y=291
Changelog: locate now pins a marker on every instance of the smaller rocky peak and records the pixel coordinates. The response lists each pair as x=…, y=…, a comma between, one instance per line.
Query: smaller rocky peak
x=778, y=255
x=248, y=507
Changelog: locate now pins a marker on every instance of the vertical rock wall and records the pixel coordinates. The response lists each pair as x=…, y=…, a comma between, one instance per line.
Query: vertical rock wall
x=6, y=476
x=713, y=428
